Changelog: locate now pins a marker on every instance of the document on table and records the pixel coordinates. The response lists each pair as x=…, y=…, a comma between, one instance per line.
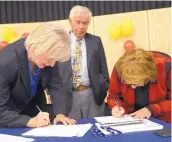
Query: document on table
x=78, y=130
x=10, y=138
x=127, y=124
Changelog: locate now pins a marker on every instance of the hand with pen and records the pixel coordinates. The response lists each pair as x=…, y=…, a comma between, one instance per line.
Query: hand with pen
x=117, y=111
x=41, y=120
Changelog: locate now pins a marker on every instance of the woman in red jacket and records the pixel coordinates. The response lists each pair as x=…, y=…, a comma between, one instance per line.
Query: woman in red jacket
x=141, y=86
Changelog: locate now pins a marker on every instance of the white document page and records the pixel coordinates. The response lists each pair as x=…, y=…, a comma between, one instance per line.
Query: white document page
x=126, y=124
x=78, y=130
x=109, y=119
x=10, y=138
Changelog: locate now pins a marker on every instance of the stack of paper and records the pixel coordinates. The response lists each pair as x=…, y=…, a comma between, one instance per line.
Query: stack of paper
x=10, y=138
x=126, y=124
x=60, y=131
x=110, y=119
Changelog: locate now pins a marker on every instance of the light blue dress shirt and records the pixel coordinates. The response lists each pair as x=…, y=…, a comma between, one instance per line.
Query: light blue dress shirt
x=84, y=71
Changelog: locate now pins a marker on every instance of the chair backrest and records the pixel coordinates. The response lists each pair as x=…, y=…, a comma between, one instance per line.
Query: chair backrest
x=158, y=54
x=167, y=58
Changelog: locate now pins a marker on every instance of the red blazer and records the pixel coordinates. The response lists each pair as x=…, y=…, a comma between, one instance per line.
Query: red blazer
x=159, y=93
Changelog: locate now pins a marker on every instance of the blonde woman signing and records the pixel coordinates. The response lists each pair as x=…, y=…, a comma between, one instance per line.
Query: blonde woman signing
x=26, y=68
x=141, y=85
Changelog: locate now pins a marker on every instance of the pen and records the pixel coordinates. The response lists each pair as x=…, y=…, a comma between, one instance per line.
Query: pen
x=41, y=111
x=38, y=108
x=117, y=104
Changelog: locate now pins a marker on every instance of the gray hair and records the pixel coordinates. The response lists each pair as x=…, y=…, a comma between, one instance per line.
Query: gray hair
x=79, y=10
x=49, y=39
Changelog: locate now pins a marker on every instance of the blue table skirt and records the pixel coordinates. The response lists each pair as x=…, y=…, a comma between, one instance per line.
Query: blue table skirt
x=146, y=136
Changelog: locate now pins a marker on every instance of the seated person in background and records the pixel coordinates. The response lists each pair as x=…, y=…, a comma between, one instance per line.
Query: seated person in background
x=141, y=85
x=26, y=67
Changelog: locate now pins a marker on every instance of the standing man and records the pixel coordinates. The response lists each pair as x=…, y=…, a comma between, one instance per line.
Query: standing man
x=26, y=69
x=87, y=79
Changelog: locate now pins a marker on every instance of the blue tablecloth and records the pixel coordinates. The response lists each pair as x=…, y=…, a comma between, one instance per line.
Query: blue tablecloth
x=147, y=136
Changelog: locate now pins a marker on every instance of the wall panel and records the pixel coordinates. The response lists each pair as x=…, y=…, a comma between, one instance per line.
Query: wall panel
x=28, y=27
x=114, y=48
x=160, y=29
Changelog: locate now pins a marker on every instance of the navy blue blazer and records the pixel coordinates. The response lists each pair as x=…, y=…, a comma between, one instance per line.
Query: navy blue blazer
x=97, y=70
x=16, y=104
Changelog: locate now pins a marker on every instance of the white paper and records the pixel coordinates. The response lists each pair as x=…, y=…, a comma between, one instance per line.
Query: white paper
x=110, y=119
x=145, y=125
x=10, y=138
x=60, y=131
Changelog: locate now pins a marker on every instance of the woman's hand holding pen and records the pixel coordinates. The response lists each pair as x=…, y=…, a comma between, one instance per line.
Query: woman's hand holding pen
x=117, y=111
x=41, y=120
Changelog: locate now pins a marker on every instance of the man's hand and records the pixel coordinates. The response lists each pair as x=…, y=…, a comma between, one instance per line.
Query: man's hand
x=142, y=113
x=63, y=119
x=117, y=111
x=41, y=120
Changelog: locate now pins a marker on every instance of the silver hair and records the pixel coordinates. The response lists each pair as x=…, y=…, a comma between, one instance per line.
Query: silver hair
x=79, y=10
x=49, y=39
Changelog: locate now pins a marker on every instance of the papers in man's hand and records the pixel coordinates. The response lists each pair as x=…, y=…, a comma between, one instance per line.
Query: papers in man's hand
x=10, y=138
x=126, y=124
x=60, y=131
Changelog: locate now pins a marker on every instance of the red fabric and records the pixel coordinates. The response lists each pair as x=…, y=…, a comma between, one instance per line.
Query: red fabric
x=159, y=93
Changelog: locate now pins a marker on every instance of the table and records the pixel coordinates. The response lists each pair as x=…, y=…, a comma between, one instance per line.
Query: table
x=146, y=136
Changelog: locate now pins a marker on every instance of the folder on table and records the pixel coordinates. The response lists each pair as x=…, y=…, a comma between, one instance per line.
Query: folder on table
x=127, y=124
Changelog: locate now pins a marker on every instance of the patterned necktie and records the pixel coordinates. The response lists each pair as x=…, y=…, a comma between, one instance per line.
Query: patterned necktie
x=77, y=64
